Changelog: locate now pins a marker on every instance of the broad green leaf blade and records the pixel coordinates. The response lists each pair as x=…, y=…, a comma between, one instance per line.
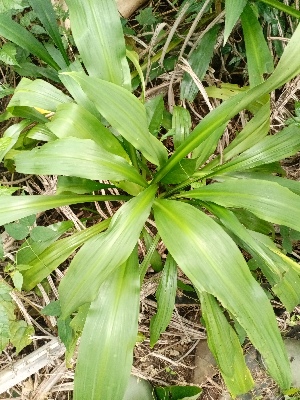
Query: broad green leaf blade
x=293, y=186
x=109, y=335
x=259, y=58
x=16, y=207
x=165, y=296
x=287, y=68
x=199, y=62
x=104, y=253
x=267, y=200
x=79, y=185
x=233, y=10
x=46, y=14
x=44, y=264
x=125, y=113
x=155, y=109
x=285, y=281
x=254, y=131
x=77, y=157
x=214, y=264
x=10, y=137
x=225, y=346
x=71, y=119
x=98, y=34
x=268, y=150
x=14, y=32
x=39, y=94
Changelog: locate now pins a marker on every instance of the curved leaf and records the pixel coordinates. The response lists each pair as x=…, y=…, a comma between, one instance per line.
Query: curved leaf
x=13, y=208
x=101, y=255
x=38, y=94
x=73, y=120
x=77, y=157
x=14, y=32
x=44, y=264
x=98, y=34
x=233, y=11
x=109, y=335
x=214, y=264
x=267, y=200
x=125, y=113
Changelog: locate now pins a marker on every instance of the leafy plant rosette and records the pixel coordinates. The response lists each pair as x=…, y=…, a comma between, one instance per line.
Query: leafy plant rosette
x=203, y=211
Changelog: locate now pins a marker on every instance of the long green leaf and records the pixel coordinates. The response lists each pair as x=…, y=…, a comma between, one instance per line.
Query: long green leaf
x=233, y=10
x=125, y=113
x=102, y=254
x=46, y=14
x=284, y=279
x=165, y=296
x=109, y=335
x=77, y=157
x=14, y=32
x=44, y=264
x=71, y=119
x=259, y=58
x=255, y=130
x=38, y=94
x=13, y=208
x=287, y=68
x=268, y=150
x=267, y=200
x=98, y=34
x=225, y=346
x=214, y=264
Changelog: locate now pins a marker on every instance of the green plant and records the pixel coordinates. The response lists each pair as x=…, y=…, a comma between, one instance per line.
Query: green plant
x=203, y=210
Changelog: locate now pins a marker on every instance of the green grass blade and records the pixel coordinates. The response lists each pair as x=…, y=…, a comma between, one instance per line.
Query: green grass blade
x=214, y=264
x=14, y=32
x=259, y=58
x=46, y=14
x=98, y=34
x=125, y=113
x=109, y=335
x=104, y=253
x=225, y=346
x=52, y=257
x=283, y=7
x=267, y=200
x=165, y=295
x=77, y=157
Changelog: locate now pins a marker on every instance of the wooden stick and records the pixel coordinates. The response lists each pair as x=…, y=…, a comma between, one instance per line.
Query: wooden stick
x=128, y=7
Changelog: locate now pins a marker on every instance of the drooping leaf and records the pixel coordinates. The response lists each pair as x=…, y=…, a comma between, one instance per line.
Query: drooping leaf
x=77, y=157
x=181, y=125
x=10, y=137
x=14, y=32
x=154, y=110
x=78, y=185
x=13, y=208
x=104, y=253
x=109, y=335
x=267, y=200
x=214, y=264
x=165, y=296
x=105, y=55
x=225, y=346
x=39, y=94
x=125, y=113
x=259, y=58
